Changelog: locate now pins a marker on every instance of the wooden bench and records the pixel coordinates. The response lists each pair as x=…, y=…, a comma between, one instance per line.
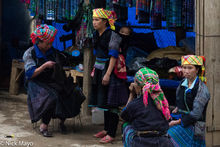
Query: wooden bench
x=74, y=74
x=17, y=69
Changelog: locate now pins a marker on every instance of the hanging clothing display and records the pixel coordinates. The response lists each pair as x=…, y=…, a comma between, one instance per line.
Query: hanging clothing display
x=180, y=14
x=55, y=10
x=163, y=11
x=143, y=11
x=176, y=13
x=121, y=9
x=150, y=11
x=156, y=14
x=85, y=34
x=189, y=14
x=122, y=13
x=41, y=8
x=32, y=7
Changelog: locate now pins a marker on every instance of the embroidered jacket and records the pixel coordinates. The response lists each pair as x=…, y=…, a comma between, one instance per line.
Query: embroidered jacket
x=196, y=99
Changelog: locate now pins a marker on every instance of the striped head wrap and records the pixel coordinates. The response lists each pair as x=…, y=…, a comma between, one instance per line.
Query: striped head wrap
x=109, y=15
x=195, y=60
x=44, y=32
x=149, y=80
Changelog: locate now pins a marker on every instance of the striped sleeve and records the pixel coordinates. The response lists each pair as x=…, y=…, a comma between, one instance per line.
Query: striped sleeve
x=29, y=63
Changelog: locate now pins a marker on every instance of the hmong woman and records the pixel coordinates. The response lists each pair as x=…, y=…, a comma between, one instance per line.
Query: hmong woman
x=146, y=113
x=47, y=94
x=108, y=91
x=192, y=97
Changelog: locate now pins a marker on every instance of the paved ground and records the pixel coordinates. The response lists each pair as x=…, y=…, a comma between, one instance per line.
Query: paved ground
x=15, y=123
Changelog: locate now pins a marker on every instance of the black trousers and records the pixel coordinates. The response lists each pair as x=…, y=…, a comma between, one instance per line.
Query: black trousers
x=110, y=123
x=47, y=116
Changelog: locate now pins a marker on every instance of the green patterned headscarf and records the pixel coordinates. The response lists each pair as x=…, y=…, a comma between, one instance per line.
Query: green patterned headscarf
x=149, y=80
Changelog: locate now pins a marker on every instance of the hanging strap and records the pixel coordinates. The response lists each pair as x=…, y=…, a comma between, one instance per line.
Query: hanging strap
x=186, y=103
x=188, y=111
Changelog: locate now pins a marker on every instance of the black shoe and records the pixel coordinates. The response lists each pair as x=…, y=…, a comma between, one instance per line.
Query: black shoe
x=63, y=128
x=46, y=133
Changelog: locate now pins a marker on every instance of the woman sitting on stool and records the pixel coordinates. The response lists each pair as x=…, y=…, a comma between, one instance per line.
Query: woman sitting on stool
x=48, y=93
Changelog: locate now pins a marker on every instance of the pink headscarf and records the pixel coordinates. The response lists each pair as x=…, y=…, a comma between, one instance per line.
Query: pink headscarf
x=45, y=33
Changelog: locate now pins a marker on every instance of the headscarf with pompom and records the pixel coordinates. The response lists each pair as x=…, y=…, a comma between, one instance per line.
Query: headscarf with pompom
x=195, y=60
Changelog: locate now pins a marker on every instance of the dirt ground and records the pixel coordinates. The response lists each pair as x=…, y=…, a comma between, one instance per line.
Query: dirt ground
x=16, y=129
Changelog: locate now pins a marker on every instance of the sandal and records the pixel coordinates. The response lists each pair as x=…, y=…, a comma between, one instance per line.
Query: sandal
x=106, y=139
x=45, y=133
x=100, y=134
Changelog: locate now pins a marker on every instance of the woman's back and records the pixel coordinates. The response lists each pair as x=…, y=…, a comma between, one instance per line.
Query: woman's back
x=145, y=118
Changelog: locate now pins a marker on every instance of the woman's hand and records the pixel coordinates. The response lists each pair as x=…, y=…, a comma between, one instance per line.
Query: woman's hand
x=49, y=64
x=132, y=89
x=175, y=110
x=174, y=122
x=105, y=80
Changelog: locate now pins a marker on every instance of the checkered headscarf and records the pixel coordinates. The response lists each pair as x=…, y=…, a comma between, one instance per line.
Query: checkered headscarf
x=149, y=80
x=109, y=15
x=195, y=60
x=44, y=32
